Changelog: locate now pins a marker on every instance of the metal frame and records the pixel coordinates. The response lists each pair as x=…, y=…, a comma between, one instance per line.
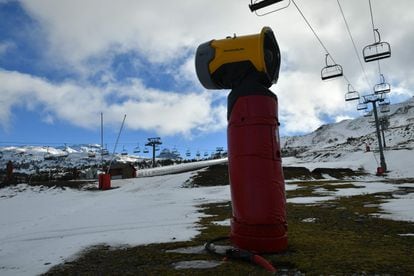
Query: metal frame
x=378, y=50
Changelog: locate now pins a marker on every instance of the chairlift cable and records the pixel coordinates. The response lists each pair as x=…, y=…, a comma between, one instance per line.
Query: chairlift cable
x=353, y=43
x=372, y=19
x=373, y=32
x=319, y=39
x=313, y=31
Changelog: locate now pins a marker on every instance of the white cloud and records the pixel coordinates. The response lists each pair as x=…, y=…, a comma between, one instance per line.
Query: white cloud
x=86, y=35
x=166, y=113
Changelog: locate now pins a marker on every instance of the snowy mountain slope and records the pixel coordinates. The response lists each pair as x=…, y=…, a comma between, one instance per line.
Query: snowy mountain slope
x=354, y=134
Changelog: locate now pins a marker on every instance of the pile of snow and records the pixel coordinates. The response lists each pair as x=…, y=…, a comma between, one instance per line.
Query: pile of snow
x=180, y=167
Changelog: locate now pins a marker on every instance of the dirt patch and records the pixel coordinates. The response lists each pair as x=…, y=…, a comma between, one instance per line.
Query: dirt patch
x=218, y=175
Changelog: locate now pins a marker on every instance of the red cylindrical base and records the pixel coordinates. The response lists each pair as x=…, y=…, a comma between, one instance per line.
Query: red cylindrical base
x=104, y=181
x=256, y=176
x=380, y=171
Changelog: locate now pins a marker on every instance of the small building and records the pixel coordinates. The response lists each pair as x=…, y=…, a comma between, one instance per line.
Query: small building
x=122, y=171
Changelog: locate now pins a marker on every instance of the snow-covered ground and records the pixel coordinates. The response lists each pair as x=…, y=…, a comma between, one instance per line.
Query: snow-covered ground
x=41, y=227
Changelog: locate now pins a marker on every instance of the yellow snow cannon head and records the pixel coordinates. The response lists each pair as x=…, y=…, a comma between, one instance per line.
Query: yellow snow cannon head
x=225, y=63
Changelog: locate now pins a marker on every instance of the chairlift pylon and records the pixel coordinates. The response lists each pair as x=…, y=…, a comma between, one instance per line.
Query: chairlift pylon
x=382, y=87
x=351, y=95
x=376, y=51
x=331, y=71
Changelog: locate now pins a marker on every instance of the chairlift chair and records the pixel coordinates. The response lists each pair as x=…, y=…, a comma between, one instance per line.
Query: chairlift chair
x=205, y=154
x=376, y=51
x=198, y=154
x=263, y=5
x=382, y=87
x=188, y=153
x=145, y=150
x=385, y=101
x=331, y=71
x=137, y=149
x=124, y=151
x=362, y=106
x=367, y=113
x=351, y=95
x=384, y=108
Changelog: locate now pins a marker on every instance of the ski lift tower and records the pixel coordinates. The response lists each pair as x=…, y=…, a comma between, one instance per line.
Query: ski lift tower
x=153, y=142
x=374, y=99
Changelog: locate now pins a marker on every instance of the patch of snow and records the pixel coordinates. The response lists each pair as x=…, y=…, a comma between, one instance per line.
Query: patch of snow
x=309, y=220
x=197, y=264
x=225, y=222
x=399, y=208
x=309, y=199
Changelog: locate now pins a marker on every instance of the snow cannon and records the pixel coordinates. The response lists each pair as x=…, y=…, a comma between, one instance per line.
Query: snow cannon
x=104, y=181
x=249, y=65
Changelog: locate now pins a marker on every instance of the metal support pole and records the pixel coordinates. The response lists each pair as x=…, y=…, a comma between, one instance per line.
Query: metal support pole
x=383, y=134
x=153, y=142
x=153, y=155
x=382, y=159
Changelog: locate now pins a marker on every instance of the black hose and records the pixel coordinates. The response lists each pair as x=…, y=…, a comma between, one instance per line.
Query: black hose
x=212, y=251
x=239, y=254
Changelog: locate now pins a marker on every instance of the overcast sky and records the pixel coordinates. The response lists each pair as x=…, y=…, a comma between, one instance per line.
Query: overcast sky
x=63, y=62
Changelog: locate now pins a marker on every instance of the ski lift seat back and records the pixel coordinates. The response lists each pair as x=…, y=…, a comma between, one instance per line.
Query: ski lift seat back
x=331, y=71
x=385, y=101
x=384, y=108
x=362, y=106
x=382, y=87
x=378, y=50
x=351, y=95
x=263, y=5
